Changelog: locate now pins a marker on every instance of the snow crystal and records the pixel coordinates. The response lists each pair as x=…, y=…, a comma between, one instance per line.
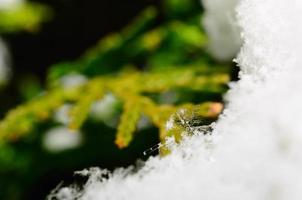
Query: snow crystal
x=255, y=149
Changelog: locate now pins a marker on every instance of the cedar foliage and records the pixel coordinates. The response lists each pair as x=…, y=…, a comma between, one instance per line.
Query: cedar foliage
x=156, y=68
x=165, y=50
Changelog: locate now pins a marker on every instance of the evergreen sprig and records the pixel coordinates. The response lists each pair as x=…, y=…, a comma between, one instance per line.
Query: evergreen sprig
x=174, y=58
x=132, y=88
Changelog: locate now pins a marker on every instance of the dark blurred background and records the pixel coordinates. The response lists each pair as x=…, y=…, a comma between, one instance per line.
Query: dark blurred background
x=76, y=25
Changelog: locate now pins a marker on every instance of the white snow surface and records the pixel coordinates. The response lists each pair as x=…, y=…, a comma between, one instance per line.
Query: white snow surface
x=255, y=149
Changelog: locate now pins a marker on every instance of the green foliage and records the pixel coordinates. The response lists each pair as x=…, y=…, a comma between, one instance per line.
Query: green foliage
x=111, y=53
x=129, y=119
x=161, y=47
x=156, y=68
x=172, y=53
x=131, y=87
x=27, y=16
x=181, y=8
x=173, y=43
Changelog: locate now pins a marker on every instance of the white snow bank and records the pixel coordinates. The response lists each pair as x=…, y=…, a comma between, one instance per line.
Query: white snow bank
x=255, y=150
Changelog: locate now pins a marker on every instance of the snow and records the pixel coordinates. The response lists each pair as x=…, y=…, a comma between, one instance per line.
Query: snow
x=4, y=69
x=219, y=21
x=4, y=55
x=73, y=80
x=105, y=110
x=61, y=138
x=10, y=4
x=61, y=115
x=255, y=149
